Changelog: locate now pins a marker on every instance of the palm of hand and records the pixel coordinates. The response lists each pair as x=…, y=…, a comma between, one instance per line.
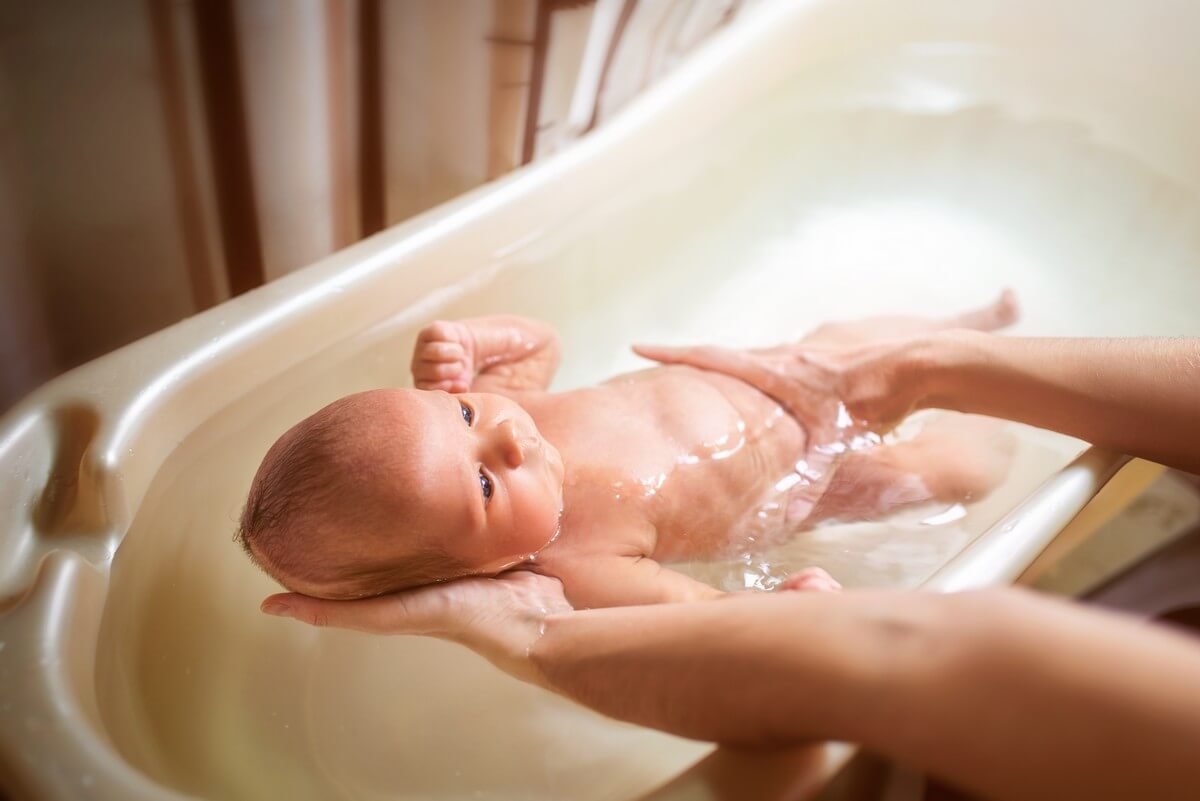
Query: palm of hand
x=499, y=617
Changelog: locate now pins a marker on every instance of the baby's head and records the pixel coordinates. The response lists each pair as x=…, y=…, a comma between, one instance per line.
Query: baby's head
x=391, y=489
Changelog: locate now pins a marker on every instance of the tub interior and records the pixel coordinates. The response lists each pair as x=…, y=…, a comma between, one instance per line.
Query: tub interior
x=907, y=182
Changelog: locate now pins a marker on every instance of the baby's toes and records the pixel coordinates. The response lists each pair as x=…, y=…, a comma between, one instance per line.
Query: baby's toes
x=1008, y=310
x=811, y=579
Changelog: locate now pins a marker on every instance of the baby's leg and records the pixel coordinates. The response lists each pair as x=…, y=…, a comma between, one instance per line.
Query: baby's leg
x=960, y=457
x=998, y=314
x=955, y=458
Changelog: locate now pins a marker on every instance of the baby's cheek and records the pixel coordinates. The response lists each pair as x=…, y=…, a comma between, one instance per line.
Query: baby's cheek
x=537, y=520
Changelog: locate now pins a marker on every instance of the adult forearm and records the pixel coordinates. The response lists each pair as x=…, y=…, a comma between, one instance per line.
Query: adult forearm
x=745, y=669
x=1136, y=396
x=1007, y=695
x=1044, y=699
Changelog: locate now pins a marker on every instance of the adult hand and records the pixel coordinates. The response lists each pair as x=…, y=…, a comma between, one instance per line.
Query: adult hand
x=834, y=391
x=847, y=377
x=501, y=617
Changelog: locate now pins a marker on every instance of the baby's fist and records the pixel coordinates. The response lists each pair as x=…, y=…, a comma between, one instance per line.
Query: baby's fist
x=444, y=357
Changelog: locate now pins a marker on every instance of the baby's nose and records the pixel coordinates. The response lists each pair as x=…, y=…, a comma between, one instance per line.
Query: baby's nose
x=509, y=444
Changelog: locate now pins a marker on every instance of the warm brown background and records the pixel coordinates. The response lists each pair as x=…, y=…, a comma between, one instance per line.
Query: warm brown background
x=159, y=156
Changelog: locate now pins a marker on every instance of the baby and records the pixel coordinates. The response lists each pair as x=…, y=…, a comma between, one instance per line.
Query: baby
x=479, y=469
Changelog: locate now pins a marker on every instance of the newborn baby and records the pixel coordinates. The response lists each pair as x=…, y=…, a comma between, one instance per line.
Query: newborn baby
x=480, y=469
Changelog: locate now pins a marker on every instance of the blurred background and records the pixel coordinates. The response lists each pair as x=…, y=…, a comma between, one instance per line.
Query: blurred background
x=160, y=156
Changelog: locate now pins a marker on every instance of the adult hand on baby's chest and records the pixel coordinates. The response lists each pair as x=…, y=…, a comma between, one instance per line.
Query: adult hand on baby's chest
x=834, y=392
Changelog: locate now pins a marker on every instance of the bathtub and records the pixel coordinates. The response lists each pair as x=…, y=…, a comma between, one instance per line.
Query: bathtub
x=816, y=160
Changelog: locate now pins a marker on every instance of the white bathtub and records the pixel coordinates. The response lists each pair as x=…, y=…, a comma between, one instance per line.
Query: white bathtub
x=818, y=160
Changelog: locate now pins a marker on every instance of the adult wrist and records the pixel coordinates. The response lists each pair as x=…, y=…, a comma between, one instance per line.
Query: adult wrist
x=937, y=367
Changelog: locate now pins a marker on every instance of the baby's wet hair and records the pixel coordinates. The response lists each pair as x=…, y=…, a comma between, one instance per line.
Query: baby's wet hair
x=292, y=513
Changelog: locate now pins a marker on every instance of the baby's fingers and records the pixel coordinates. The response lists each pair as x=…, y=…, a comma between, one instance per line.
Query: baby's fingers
x=442, y=331
x=446, y=376
x=453, y=385
x=441, y=352
x=438, y=371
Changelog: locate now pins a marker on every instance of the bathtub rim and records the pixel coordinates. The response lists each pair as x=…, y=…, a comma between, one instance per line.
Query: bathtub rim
x=58, y=583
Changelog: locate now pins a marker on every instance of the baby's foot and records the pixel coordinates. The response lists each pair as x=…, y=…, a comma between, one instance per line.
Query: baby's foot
x=999, y=314
x=811, y=579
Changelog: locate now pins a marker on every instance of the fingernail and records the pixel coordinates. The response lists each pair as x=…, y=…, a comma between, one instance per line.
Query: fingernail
x=278, y=608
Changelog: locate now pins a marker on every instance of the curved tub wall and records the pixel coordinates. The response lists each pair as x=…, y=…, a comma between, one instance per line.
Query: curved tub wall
x=827, y=154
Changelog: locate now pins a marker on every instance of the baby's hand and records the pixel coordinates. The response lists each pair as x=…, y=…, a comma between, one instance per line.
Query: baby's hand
x=444, y=357
x=810, y=579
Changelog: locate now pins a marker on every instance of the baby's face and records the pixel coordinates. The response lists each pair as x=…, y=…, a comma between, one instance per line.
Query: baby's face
x=479, y=477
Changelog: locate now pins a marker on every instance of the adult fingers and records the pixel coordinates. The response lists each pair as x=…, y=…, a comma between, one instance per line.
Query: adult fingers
x=737, y=363
x=399, y=613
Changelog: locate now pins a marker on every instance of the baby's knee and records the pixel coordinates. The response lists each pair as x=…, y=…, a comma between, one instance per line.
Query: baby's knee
x=965, y=479
x=965, y=464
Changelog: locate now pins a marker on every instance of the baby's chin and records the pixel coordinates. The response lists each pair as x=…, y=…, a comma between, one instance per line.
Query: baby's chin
x=530, y=551
x=550, y=536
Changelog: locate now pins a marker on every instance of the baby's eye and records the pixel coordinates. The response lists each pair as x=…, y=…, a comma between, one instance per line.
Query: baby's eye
x=485, y=484
x=467, y=413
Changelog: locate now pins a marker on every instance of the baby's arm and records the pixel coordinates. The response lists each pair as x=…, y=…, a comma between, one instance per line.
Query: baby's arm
x=604, y=581
x=499, y=353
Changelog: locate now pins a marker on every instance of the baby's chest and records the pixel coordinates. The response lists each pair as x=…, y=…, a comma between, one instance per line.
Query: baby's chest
x=638, y=450
x=693, y=479
x=663, y=414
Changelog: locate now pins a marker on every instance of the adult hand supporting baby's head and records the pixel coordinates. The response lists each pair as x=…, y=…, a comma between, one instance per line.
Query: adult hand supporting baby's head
x=501, y=617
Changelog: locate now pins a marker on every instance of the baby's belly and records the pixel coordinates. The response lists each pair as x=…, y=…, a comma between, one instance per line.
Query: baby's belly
x=697, y=455
x=727, y=491
x=730, y=517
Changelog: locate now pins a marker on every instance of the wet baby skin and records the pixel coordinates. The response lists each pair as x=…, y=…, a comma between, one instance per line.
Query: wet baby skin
x=479, y=469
